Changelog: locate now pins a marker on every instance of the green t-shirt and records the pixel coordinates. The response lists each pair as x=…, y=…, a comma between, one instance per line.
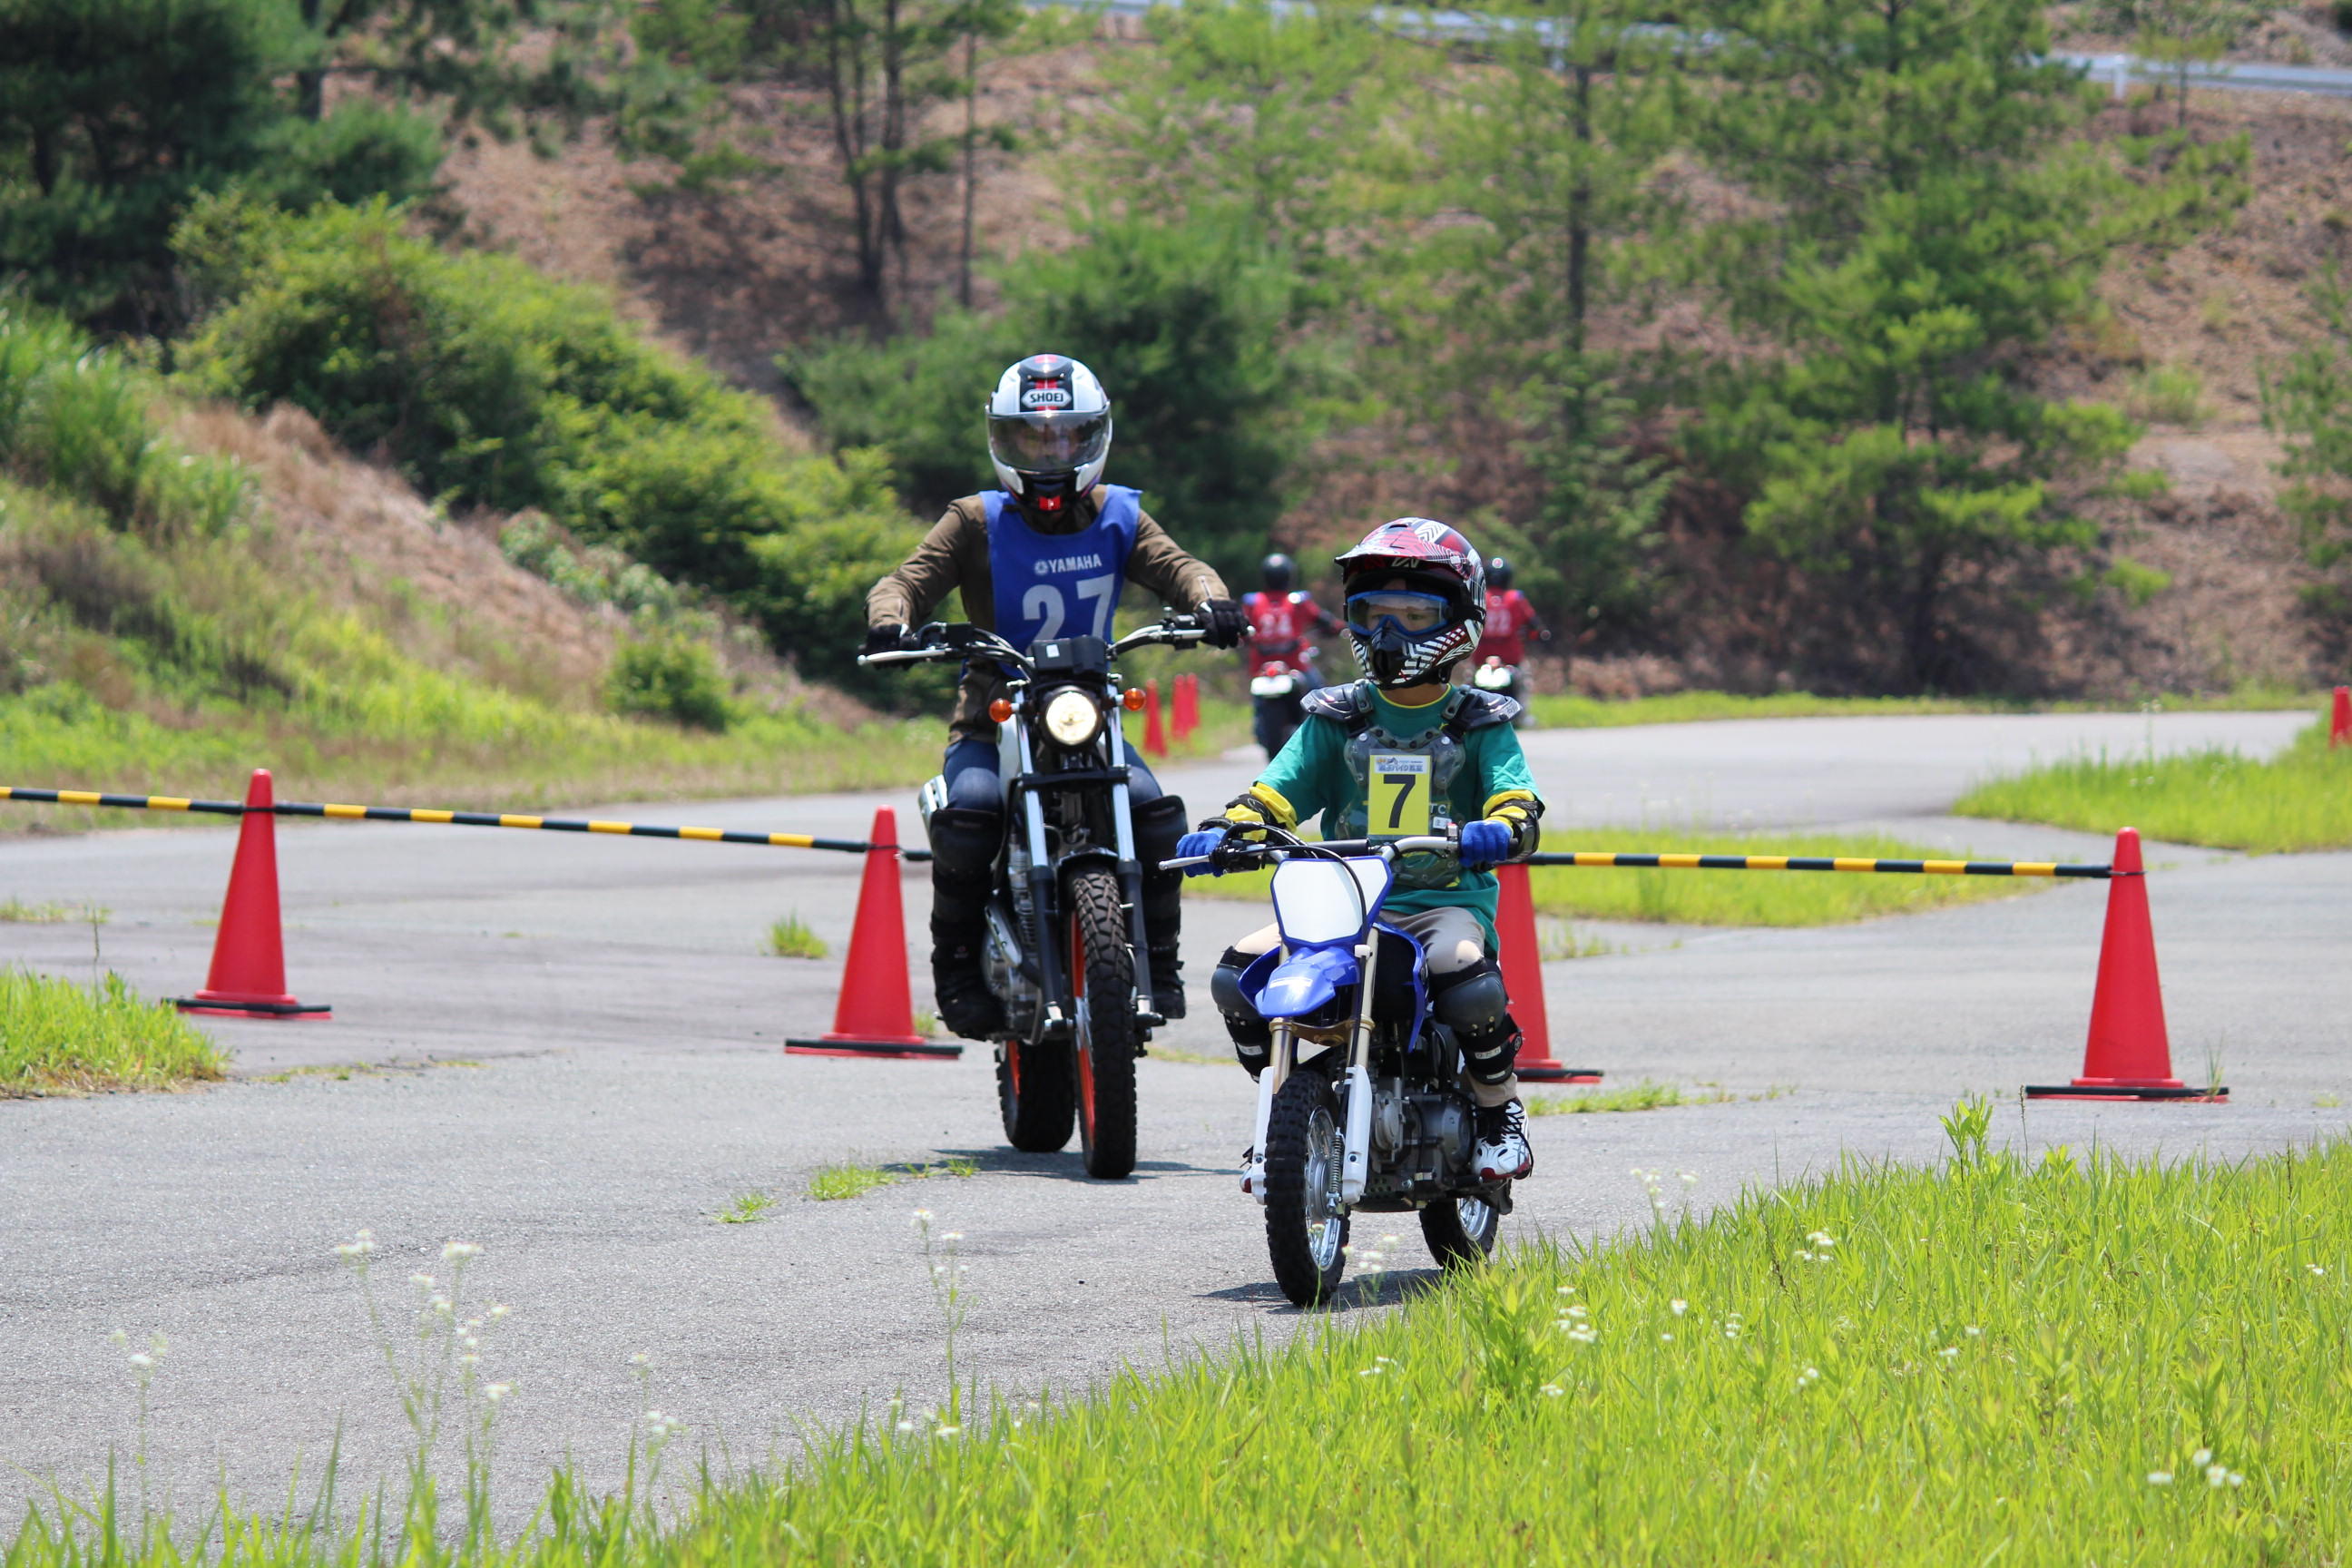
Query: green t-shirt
x=1313, y=774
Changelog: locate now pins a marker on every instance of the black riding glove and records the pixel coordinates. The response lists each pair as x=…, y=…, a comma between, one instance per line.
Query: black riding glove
x=1224, y=621
x=889, y=638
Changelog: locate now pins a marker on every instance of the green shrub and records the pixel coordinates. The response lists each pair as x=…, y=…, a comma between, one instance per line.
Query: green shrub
x=489, y=384
x=668, y=676
x=76, y=419
x=1185, y=325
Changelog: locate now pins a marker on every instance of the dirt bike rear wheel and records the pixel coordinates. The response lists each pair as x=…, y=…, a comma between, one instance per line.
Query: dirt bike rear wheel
x=1305, y=1232
x=1102, y=1001
x=1035, y=1096
x=1460, y=1231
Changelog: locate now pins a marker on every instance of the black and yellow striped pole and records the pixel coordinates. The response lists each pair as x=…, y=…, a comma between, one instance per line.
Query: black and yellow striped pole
x=1668, y=862
x=447, y=818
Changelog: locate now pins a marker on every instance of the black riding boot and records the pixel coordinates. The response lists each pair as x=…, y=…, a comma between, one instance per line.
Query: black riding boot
x=963, y=863
x=1158, y=823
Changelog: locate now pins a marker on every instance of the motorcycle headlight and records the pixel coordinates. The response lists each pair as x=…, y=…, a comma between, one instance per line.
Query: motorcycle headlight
x=1072, y=717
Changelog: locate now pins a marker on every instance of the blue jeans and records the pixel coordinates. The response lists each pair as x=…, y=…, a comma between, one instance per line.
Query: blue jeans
x=970, y=771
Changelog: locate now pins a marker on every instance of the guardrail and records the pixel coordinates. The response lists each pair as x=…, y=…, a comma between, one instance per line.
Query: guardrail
x=2120, y=71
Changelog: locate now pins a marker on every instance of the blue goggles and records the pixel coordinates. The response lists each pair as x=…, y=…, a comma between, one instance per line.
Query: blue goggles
x=1415, y=614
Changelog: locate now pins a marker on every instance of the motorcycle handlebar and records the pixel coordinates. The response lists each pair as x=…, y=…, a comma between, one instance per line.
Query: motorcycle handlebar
x=962, y=640
x=1387, y=848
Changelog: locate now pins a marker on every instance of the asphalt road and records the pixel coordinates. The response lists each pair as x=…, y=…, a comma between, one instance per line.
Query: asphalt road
x=623, y=1084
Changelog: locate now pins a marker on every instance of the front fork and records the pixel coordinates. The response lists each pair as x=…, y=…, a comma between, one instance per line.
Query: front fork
x=1280, y=1062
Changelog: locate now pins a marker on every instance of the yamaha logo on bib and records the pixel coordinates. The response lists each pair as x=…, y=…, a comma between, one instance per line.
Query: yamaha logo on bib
x=1059, y=584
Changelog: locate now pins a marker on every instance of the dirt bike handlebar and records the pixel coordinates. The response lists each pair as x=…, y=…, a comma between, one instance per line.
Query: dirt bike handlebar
x=961, y=639
x=1387, y=848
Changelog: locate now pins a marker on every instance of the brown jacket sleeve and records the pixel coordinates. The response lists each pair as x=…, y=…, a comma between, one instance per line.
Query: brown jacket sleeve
x=1160, y=565
x=953, y=555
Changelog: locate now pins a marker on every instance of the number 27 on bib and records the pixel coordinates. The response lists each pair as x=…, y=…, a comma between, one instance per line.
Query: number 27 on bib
x=1396, y=796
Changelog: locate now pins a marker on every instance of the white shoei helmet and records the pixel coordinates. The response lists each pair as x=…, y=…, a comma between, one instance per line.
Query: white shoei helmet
x=1048, y=428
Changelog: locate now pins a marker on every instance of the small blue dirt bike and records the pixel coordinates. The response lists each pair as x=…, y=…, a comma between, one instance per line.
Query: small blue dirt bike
x=1363, y=1106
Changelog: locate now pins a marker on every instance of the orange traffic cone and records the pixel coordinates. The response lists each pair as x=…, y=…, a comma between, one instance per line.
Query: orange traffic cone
x=248, y=979
x=876, y=1015
x=1522, y=960
x=2129, y=1057
x=2339, y=720
x=1155, y=738
x=1184, y=706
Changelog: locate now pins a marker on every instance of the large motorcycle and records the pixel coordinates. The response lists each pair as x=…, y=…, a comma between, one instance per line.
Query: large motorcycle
x=1362, y=1108
x=1065, y=949
x=1279, y=689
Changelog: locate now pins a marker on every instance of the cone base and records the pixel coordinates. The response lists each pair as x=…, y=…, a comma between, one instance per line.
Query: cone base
x=1556, y=1072
x=2091, y=1089
x=912, y=1048
x=220, y=1005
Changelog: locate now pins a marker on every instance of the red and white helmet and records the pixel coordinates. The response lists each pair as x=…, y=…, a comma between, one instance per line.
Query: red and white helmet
x=1048, y=428
x=1416, y=595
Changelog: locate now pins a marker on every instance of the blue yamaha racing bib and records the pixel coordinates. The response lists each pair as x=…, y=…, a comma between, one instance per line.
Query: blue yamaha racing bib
x=1059, y=584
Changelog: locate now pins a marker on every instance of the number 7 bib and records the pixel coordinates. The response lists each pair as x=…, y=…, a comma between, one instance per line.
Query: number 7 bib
x=1396, y=794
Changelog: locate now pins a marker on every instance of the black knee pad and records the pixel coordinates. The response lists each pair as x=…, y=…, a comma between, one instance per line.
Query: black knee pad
x=1472, y=999
x=1250, y=1033
x=965, y=844
x=1158, y=823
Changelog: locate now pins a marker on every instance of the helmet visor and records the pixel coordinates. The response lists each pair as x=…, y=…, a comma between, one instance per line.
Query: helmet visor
x=1413, y=614
x=1061, y=442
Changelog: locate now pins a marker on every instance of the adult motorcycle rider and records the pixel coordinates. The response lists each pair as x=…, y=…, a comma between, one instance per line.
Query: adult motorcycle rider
x=1283, y=619
x=1511, y=619
x=1045, y=556
x=1416, y=603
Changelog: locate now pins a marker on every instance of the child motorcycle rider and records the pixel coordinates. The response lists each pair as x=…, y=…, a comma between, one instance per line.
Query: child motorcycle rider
x=1283, y=620
x=1416, y=602
x=1045, y=556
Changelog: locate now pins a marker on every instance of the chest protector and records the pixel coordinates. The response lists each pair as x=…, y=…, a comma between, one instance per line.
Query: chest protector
x=1059, y=584
x=1426, y=765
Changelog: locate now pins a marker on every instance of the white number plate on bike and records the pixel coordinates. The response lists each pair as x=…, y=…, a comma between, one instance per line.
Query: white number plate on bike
x=1397, y=794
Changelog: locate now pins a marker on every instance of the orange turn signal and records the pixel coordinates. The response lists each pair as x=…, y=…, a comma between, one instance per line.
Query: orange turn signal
x=1000, y=709
x=1132, y=699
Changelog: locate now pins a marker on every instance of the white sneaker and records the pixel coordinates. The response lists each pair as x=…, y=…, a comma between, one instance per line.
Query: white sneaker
x=1502, y=1154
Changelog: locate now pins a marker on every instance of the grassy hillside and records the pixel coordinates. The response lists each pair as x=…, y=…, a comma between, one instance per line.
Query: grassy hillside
x=186, y=593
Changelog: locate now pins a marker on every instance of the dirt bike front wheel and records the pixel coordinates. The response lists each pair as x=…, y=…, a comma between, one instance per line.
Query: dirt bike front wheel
x=1306, y=1228
x=1035, y=1096
x=1102, y=987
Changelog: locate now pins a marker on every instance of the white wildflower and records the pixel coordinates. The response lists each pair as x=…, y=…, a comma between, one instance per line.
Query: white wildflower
x=1678, y=1306
x=2159, y=1478
x=951, y=1235
x=2201, y=1458
x=2315, y=1269
x=498, y=1390
x=422, y=1281
x=1553, y=1391
x=1584, y=1333
x=919, y=1218
x=2215, y=1475
x=2236, y=1479
x=1973, y=1331
x=458, y=1251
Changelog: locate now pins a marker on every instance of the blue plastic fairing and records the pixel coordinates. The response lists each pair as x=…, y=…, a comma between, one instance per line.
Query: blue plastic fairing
x=1292, y=987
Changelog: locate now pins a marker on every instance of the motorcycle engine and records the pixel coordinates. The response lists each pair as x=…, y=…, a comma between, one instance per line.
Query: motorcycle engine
x=1025, y=1002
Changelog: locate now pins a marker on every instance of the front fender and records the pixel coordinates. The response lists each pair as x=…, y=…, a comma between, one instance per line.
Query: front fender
x=1291, y=988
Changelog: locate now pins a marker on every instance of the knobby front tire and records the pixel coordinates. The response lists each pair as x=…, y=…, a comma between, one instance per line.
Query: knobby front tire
x=1035, y=1097
x=1102, y=979
x=1305, y=1237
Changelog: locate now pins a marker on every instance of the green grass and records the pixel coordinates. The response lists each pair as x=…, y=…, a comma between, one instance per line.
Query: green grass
x=2301, y=800
x=16, y=912
x=792, y=937
x=1646, y=1095
x=1567, y=711
x=57, y=1037
x=746, y=1208
x=1722, y=898
x=2061, y=1362
x=848, y=1179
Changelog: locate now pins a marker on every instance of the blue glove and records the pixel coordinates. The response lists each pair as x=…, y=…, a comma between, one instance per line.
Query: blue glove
x=1204, y=842
x=1485, y=843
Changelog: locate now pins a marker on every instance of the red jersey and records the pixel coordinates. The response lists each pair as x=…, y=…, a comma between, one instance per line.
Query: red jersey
x=1509, y=619
x=1282, y=625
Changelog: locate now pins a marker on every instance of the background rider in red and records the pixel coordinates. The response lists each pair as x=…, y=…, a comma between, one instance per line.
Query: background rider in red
x=1283, y=620
x=1511, y=620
